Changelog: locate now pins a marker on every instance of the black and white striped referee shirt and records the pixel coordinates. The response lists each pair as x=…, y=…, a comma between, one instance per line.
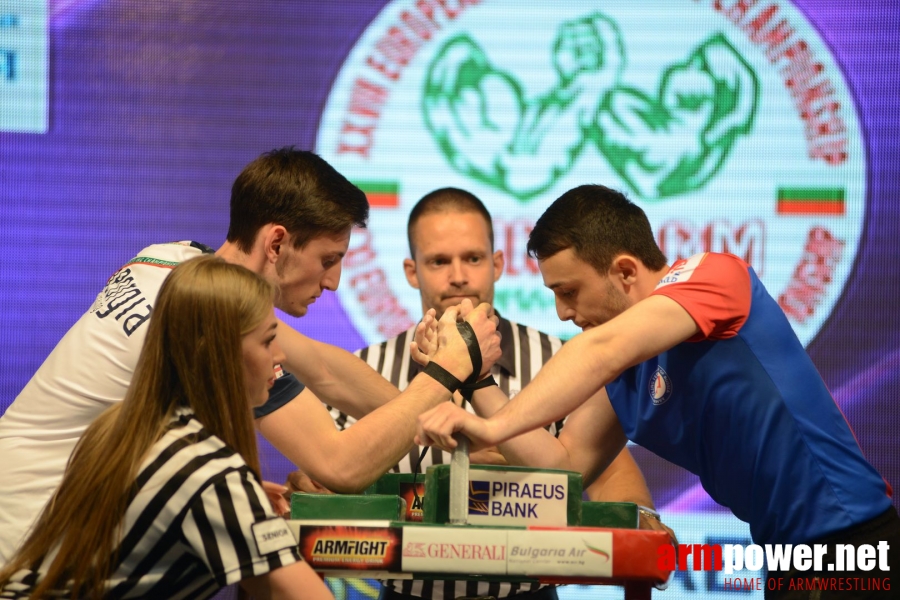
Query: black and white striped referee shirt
x=525, y=351
x=199, y=521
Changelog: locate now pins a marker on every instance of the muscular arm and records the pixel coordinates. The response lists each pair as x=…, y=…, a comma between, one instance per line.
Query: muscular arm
x=575, y=374
x=596, y=425
x=621, y=481
x=336, y=376
x=587, y=363
x=349, y=461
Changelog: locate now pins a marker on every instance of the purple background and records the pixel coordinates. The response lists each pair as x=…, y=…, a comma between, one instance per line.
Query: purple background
x=156, y=106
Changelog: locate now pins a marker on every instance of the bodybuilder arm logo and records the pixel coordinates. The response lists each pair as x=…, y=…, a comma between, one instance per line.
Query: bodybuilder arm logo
x=662, y=144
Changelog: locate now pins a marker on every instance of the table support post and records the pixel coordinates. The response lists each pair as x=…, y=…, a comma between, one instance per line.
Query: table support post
x=459, y=481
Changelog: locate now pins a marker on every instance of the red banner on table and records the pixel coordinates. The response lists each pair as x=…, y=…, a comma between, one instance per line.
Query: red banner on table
x=351, y=547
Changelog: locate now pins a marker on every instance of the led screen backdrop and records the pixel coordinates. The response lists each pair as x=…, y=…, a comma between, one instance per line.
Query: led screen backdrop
x=766, y=129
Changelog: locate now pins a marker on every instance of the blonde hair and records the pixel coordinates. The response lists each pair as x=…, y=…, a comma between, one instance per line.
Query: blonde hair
x=191, y=358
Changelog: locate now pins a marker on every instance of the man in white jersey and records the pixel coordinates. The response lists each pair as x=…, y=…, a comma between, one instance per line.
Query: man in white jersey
x=291, y=217
x=451, y=242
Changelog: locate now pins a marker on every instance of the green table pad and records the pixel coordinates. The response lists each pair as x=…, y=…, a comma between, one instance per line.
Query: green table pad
x=347, y=506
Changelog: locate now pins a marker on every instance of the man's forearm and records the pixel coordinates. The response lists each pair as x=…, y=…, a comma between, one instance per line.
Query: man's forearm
x=552, y=395
x=537, y=448
x=349, y=384
x=349, y=461
x=590, y=360
x=337, y=377
x=379, y=441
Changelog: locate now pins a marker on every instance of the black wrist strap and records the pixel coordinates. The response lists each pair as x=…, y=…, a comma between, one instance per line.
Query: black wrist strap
x=471, y=340
x=442, y=376
x=468, y=389
x=447, y=379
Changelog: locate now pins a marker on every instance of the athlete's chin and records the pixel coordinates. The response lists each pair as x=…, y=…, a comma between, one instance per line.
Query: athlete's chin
x=297, y=310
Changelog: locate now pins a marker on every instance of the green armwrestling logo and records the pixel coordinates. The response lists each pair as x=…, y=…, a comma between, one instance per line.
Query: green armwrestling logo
x=728, y=122
x=662, y=144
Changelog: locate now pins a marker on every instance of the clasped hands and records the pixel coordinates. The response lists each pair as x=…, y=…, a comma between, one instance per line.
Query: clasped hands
x=438, y=340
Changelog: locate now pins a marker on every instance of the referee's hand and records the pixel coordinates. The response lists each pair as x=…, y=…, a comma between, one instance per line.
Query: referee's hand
x=275, y=493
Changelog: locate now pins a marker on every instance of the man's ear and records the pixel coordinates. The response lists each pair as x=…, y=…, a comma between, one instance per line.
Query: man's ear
x=499, y=263
x=625, y=269
x=409, y=268
x=275, y=240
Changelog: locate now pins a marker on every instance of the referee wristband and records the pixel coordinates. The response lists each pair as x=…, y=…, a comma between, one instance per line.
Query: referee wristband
x=442, y=376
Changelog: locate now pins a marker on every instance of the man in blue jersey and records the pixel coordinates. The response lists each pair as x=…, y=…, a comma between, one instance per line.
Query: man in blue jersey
x=696, y=362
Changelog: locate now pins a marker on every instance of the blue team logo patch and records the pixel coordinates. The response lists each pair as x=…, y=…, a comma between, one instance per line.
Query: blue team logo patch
x=660, y=387
x=479, y=497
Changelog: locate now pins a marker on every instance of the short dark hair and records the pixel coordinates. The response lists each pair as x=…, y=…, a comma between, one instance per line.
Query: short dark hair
x=448, y=199
x=298, y=190
x=597, y=223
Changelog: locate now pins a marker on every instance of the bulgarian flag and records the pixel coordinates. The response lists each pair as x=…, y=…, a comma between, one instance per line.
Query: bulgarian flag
x=380, y=193
x=810, y=201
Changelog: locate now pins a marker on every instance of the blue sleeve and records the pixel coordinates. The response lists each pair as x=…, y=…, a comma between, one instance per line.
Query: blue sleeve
x=285, y=389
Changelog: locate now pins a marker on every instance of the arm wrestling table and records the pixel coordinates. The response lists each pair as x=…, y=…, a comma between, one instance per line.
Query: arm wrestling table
x=485, y=523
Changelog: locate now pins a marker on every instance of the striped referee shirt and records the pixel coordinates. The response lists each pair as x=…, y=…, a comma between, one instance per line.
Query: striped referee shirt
x=198, y=520
x=524, y=351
